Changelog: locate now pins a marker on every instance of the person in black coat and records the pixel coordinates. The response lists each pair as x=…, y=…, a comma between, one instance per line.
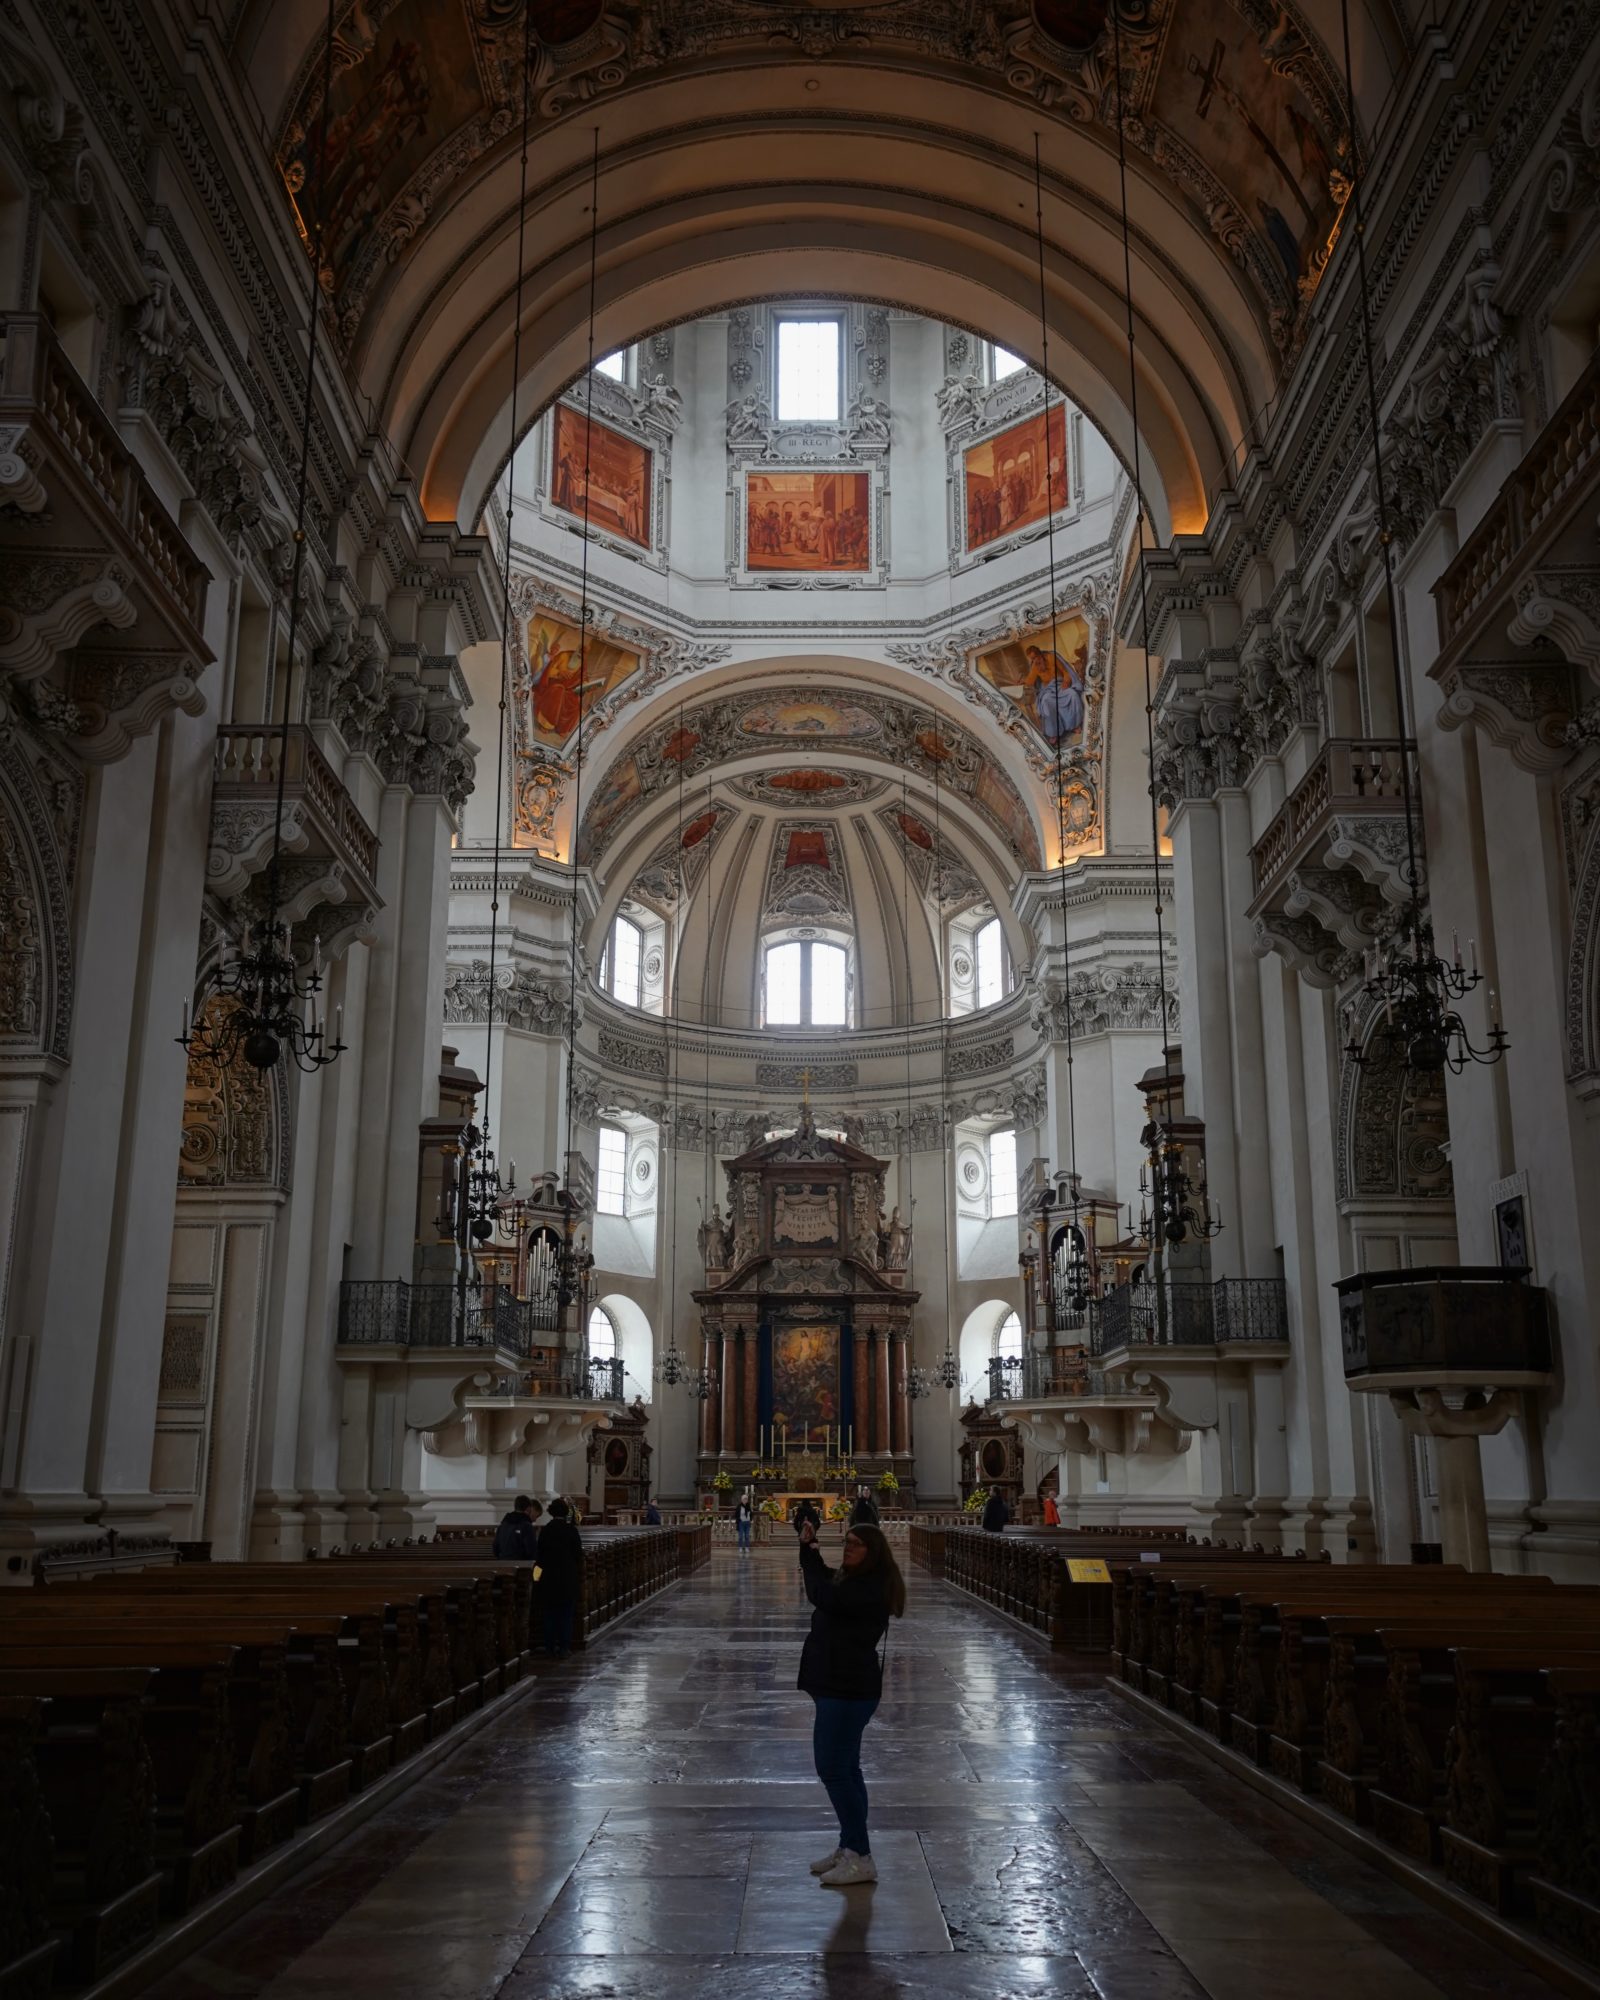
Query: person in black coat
x=517, y=1537
x=841, y=1671
x=865, y=1509
x=560, y=1566
x=995, y=1512
x=806, y=1514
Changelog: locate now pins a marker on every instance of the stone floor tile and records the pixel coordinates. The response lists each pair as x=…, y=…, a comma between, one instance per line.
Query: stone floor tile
x=639, y=1828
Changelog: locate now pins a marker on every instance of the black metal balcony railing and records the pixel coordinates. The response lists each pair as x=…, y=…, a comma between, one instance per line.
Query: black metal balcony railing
x=1043, y=1375
x=377, y=1312
x=1173, y=1315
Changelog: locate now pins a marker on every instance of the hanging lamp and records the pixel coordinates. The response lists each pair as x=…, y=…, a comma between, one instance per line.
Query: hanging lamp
x=275, y=1002
x=1180, y=1207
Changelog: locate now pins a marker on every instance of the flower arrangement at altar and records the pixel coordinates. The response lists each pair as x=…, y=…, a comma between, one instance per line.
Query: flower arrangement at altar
x=772, y=1510
x=839, y=1510
x=887, y=1483
x=723, y=1482
x=977, y=1500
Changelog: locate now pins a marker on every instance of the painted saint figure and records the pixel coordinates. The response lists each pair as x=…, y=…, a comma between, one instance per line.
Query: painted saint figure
x=1056, y=686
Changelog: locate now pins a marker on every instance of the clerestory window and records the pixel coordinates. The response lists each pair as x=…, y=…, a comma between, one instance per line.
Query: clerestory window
x=989, y=955
x=1003, y=1172
x=808, y=370
x=805, y=984
x=611, y=1172
x=621, y=966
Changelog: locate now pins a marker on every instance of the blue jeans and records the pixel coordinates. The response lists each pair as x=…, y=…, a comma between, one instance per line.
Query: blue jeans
x=836, y=1737
x=744, y=1533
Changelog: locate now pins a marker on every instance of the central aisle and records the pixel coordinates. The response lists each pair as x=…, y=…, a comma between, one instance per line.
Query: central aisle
x=639, y=1829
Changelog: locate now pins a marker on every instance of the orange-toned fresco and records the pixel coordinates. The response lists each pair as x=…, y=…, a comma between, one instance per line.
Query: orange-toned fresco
x=1012, y=479
x=807, y=520
x=562, y=680
x=1044, y=674
x=617, y=470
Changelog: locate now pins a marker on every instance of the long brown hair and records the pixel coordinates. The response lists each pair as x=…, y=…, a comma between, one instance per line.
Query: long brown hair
x=880, y=1562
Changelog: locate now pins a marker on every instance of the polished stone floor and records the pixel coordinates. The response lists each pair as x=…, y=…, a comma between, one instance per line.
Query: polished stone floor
x=638, y=1829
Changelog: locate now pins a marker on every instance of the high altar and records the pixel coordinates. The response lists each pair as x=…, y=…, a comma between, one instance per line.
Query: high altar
x=805, y=1314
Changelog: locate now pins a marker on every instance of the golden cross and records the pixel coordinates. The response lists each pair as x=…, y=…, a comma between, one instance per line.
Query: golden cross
x=805, y=1089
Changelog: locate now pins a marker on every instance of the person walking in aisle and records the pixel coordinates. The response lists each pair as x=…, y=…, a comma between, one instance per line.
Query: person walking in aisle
x=560, y=1565
x=865, y=1509
x=652, y=1515
x=995, y=1511
x=1052, y=1513
x=744, y=1515
x=806, y=1513
x=841, y=1671
x=517, y=1537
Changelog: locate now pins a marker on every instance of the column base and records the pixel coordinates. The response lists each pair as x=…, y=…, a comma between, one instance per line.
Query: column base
x=1565, y=1541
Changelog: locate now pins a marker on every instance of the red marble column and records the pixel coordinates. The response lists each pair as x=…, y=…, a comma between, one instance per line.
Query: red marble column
x=862, y=1371
x=880, y=1392
x=899, y=1429
x=752, y=1376
x=711, y=1358
x=730, y=1393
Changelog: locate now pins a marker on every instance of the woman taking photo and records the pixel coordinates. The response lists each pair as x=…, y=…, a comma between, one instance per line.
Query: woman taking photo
x=841, y=1671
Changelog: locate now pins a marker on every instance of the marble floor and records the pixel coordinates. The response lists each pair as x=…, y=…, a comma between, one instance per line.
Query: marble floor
x=638, y=1829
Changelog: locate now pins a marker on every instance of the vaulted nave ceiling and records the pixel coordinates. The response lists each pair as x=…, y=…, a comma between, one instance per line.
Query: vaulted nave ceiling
x=753, y=148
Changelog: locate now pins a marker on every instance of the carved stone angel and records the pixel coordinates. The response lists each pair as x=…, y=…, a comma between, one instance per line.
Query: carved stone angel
x=896, y=1243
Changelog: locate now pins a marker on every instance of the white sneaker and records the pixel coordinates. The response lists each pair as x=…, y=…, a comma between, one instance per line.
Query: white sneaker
x=852, y=1868
x=826, y=1861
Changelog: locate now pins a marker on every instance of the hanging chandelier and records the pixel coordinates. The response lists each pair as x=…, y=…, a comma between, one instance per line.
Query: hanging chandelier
x=1416, y=988
x=1180, y=1206
x=1421, y=1028
x=274, y=1001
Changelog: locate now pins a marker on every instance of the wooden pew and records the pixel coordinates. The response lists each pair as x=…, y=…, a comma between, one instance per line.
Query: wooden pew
x=1564, y=1879
x=98, y=1796
x=28, y=1944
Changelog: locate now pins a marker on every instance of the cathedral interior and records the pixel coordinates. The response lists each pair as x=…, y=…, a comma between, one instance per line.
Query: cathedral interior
x=757, y=752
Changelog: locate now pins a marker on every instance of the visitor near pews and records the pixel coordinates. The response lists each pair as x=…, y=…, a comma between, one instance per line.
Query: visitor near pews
x=841, y=1670
x=1052, y=1513
x=865, y=1509
x=652, y=1514
x=560, y=1556
x=517, y=1537
x=744, y=1518
x=995, y=1512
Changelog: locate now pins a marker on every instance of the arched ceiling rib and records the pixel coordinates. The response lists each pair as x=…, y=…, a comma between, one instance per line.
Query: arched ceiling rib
x=749, y=118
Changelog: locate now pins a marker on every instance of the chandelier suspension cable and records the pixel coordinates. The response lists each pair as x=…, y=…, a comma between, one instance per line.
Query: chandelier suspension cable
x=263, y=978
x=302, y=476
x=674, y=1043
x=484, y=1195
x=1402, y=704
x=911, y=1005
x=1161, y=1231
x=583, y=665
x=1417, y=988
x=950, y=1366
x=1061, y=802
x=710, y=1200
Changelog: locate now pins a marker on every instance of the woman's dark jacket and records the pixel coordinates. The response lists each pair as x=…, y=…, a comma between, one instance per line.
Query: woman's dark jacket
x=840, y=1657
x=560, y=1559
x=865, y=1509
x=995, y=1513
x=806, y=1512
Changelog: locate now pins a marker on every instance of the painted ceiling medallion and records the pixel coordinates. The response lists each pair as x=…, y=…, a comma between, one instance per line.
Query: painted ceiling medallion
x=816, y=787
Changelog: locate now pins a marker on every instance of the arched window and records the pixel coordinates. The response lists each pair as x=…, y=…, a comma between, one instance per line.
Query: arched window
x=1002, y=362
x=989, y=955
x=622, y=963
x=1003, y=1173
x=614, y=365
x=1008, y=1339
x=602, y=1335
x=805, y=983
